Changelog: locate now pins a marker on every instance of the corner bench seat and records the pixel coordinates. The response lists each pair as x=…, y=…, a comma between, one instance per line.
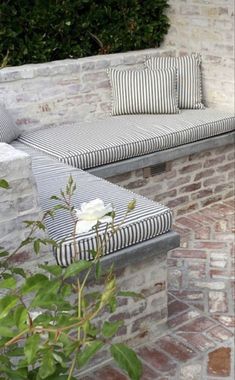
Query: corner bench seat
x=92, y=144
x=147, y=221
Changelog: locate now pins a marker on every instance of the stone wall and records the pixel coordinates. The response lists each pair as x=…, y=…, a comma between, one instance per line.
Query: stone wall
x=188, y=183
x=207, y=27
x=21, y=200
x=74, y=90
x=63, y=92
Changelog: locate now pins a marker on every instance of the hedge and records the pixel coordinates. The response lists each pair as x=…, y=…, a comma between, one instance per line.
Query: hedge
x=45, y=30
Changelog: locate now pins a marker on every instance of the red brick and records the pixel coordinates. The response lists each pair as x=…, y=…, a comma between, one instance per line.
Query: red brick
x=177, y=201
x=182, y=318
x=211, y=200
x=224, y=187
x=187, y=209
x=209, y=245
x=136, y=184
x=203, y=233
x=202, y=194
x=186, y=221
x=225, y=168
x=175, y=348
x=219, y=362
x=108, y=373
x=190, y=168
x=157, y=359
x=219, y=333
x=189, y=253
x=198, y=341
x=214, y=180
x=204, y=174
x=163, y=196
x=214, y=161
x=199, y=324
x=148, y=373
x=189, y=188
x=176, y=307
x=177, y=182
x=226, y=320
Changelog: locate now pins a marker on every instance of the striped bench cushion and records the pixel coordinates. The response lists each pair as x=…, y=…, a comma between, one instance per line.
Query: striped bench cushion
x=147, y=221
x=89, y=145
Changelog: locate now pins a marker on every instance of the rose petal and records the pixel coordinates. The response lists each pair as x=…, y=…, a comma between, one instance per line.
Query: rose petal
x=83, y=226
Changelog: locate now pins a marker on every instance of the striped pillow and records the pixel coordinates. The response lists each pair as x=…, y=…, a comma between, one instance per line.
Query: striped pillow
x=143, y=91
x=189, y=77
x=8, y=129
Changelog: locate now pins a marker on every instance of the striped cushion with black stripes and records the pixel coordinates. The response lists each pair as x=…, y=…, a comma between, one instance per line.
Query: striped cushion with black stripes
x=8, y=129
x=143, y=91
x=101, y=142
x=147, y=221
x=188, y=77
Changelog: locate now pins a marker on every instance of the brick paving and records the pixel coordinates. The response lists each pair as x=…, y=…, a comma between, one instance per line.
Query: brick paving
x=199, y=342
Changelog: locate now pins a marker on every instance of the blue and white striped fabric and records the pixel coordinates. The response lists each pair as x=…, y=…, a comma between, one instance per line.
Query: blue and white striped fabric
x=147, y=221
x=189, y=77
x=91, y=144
x=144, y=91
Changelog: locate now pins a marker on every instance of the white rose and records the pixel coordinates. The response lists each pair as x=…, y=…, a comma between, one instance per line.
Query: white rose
x=91, y=213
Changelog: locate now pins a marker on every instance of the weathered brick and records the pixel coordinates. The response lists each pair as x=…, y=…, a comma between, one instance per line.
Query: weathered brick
x=219, y=362
x=190, y=168
x=214, y=161
x=204, y=174
x=189, y=188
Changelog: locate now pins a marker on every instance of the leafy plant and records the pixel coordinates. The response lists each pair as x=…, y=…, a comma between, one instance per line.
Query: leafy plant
x=48, y=319
x=39, y=30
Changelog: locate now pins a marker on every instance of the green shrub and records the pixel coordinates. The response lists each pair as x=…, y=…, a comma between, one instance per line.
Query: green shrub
x=45, y=30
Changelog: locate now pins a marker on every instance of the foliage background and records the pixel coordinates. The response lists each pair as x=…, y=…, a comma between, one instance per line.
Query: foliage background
x=33, y=31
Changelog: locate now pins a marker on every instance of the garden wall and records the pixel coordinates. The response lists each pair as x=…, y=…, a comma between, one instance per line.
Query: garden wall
x=207, y=27
x=70, y=91
x=188, y=183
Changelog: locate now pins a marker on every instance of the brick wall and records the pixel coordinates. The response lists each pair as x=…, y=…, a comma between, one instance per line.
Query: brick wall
x=64, y=92
x=189, y=183
x=73, y=90
x=207, y=27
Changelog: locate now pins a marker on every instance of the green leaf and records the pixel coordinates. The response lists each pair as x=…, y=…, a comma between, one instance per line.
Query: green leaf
x=34, y=283
x=8, y=283
x=20, y=316
x=36, y=246
x=6, y=332
x=130, y=294
x=88, y=352
x=56, y=270
x=6, y=304
x=19, y=271
x=75, y=268
x=109, y=329
x=127, y=359
x=48, y=366
x=4, y=184
x=31, y=348
x=4, y=253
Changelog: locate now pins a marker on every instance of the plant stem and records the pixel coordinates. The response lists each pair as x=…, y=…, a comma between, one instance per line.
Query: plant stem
x=72, y=366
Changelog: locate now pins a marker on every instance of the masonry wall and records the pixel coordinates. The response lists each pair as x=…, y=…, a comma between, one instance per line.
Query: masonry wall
x=188, y=183
x=20, y=201
x=207, y=27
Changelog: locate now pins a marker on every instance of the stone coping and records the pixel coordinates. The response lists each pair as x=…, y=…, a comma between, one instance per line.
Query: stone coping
x=162, y=156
